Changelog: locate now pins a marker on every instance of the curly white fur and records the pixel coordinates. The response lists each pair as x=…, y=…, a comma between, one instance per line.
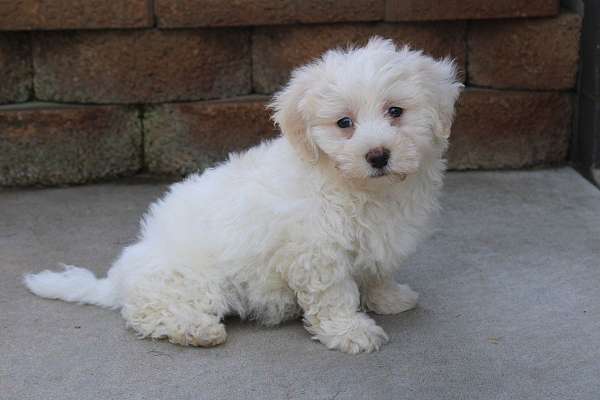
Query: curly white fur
x=300, y=225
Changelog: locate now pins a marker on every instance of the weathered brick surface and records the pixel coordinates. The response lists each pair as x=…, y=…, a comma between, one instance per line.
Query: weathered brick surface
x=196, y=13
x=44, y=144
x=532, y=53
x=424, y=10
x=277, y=50
x=184, y=137
x=509, y=129
x=74, y=14
x=141, y=66
x=15, y=67
x=493, y=129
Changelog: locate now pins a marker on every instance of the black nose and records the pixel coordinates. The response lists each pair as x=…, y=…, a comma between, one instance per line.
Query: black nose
x=378, y=157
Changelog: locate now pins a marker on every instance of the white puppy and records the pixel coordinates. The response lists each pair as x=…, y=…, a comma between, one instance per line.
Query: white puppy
x=313, y=223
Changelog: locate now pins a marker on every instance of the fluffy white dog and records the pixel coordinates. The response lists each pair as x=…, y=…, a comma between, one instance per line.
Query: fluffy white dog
x=313, y=223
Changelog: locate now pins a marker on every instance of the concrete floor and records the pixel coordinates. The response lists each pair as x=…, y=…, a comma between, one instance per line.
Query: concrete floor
x=509, y=308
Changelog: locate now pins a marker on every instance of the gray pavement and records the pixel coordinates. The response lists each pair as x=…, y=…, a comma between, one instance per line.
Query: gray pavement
x=509, y=307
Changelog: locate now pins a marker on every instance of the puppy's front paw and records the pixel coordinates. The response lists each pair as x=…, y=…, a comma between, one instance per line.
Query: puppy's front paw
x=353, y=335
x=391, y=298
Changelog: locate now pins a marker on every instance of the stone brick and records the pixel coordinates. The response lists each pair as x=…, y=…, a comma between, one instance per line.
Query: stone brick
x=196, y=13
x=74, y=14
x=52, y=144
x=427, y=10
x=510, y=129
x=184, y=137
x=15, y=67
x=277, y=50
x=141, y=66
x=532, y=53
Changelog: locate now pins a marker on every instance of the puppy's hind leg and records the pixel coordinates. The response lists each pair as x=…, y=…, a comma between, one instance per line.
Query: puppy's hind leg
x=175, y=305
x=385, y=296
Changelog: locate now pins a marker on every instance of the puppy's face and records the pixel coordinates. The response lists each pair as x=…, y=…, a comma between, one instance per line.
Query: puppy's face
x=372, y=112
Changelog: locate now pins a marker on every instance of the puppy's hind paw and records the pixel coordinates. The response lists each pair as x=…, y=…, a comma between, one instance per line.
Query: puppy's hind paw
x=391, y=298
x=355, y=335
x=200, y=336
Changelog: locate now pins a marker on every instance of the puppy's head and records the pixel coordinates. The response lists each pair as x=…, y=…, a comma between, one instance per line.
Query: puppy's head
x=371, y=111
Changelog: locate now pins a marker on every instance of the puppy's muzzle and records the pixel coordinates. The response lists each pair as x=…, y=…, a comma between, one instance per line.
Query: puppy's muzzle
x=378, y=157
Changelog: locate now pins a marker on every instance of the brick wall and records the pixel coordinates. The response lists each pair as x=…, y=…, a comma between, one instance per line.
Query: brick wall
x=93, y=89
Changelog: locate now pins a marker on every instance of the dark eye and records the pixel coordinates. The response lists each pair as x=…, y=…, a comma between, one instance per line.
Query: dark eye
x=395, y=112
x=345, y=122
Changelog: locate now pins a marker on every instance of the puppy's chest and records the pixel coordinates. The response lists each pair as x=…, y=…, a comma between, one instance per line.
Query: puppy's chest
x=379, y=231
x=375, y=230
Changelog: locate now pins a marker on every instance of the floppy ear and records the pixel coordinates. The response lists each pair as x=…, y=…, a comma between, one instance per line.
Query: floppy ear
x=290, y=115
x=445, y=93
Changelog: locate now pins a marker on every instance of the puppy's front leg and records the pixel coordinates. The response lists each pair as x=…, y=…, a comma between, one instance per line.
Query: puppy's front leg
x=330, y=300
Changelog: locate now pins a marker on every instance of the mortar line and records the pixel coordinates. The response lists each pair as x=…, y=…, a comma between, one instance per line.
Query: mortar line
x=31, y=95
x=467, y=34
x=241, y=98
x=141, y=115
x=252, y=89
x=152, y=6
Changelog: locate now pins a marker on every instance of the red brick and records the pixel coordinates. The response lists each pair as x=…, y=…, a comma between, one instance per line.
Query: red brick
x=141, y=66
x=510, y=129
x=184, y=137
x=46, y=144
x=428, y=10
x=532, y=53
x=196, y=13
x=277, y=50
x=74, y=14
x=15, y=67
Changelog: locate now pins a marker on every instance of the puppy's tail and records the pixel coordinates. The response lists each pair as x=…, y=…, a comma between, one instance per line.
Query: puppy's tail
x=74, y=285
